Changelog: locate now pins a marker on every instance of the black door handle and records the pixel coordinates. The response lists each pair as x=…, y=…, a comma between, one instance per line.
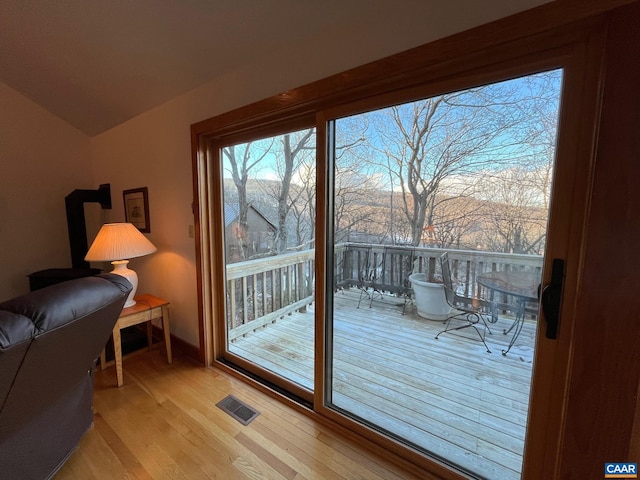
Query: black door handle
x=551, y=298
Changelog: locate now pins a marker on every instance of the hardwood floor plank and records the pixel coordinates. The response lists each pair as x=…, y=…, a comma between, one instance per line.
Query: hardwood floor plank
x=130, y=465
x=308, y=463
x=102, y=457
x=267, y=456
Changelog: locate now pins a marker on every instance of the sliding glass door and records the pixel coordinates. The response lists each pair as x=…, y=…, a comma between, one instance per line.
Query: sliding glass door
x=268, y=218
x=439, y=211
x=449, y=197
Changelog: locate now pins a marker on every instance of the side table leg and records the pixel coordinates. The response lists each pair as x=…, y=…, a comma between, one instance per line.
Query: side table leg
x=117, y=354
x=167, y=332
x=149, y=335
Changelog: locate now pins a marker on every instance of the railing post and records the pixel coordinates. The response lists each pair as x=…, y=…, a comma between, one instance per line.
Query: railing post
x=255, y=296
x=264, y=293
x=301, y=284
x=232, y=304
x=245, y=309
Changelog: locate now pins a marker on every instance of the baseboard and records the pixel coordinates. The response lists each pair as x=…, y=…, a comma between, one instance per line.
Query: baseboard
x=190, y=351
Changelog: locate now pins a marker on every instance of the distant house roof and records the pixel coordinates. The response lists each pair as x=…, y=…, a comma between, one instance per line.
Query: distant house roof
x=232, y=212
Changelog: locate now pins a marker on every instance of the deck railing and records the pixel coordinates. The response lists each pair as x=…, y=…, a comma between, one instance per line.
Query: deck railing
x=263, y=290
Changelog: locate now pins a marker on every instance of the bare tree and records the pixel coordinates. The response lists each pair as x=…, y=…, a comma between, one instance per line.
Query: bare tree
x=356, y=184
x=458, y=222
x=543, y=105
x=432, y=140
x=240, y=164
x=520, y=194
x=441, y=148
x=303, y=204
x=297, y=195
x=288, y=157
x=516, y=218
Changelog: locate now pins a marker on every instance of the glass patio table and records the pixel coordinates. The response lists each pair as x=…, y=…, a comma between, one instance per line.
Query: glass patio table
x=522, y=286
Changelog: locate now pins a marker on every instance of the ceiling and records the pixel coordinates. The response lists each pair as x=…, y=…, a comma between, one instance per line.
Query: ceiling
x=99, y=63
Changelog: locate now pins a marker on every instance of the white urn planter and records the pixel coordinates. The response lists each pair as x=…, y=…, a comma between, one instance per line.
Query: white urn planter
x=430, y=299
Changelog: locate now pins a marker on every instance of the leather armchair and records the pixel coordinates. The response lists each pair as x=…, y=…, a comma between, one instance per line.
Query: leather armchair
x=49, y=342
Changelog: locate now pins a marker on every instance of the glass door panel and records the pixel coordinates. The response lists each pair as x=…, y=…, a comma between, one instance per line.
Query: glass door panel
x=469, y=174
x=269, y=214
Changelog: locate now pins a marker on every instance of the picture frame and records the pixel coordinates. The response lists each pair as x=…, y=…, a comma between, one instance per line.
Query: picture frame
x=136, y=208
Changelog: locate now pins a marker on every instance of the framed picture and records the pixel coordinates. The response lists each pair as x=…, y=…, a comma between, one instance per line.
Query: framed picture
x=136, y=208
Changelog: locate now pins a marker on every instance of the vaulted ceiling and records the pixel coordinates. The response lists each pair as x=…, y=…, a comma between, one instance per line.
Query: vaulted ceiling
x=99, y=63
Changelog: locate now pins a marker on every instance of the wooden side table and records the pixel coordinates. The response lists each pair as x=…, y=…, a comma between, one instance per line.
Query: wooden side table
x=147, y=308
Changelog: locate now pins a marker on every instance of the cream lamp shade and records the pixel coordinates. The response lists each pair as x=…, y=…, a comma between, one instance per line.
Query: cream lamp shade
x=117, y=243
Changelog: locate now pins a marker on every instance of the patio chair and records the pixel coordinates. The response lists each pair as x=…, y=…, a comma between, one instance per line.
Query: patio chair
x=398, y=267
x=466, y=309
x=371, y=276
x=355, y=265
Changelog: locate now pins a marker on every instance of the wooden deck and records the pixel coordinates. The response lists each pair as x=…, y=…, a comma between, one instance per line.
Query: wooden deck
x=447, y=396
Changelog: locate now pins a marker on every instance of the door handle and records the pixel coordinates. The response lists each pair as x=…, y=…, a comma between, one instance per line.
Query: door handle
x=551, y=298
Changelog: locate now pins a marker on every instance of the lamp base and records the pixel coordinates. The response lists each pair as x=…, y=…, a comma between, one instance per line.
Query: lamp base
x=120, y=268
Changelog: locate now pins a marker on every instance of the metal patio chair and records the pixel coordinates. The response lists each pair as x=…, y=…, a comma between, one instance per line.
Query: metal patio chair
x=355, y=265
x=371, y=276
x=468, y=310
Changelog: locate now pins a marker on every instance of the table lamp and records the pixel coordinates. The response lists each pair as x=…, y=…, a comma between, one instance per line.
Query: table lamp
x=116, y=243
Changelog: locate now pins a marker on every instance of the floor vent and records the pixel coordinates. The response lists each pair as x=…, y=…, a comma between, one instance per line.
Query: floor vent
x=238, y=409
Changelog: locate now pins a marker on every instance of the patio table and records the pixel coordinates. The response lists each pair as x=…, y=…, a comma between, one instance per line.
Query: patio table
x=523, y=286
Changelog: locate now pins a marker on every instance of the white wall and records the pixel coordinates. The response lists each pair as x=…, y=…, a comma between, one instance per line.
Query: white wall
x=42, y=160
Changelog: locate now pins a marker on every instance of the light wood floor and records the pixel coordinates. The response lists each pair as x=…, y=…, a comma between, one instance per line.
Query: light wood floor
x=448, y=396
x=163, y=424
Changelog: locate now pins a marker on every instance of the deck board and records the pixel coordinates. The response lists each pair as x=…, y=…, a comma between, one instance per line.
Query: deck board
x=447, y=395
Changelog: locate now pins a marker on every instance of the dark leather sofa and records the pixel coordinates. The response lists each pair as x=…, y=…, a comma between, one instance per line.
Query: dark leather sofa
x=49, y=341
